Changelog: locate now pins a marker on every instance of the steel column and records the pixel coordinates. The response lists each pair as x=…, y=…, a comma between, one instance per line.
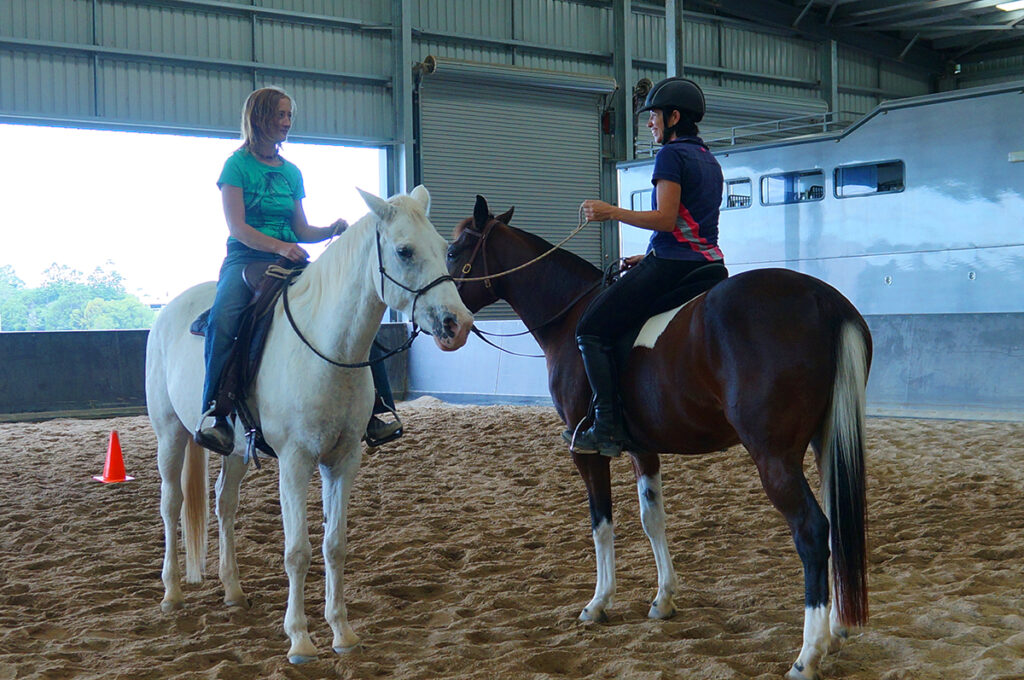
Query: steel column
x=400, y=157
x=675, y=26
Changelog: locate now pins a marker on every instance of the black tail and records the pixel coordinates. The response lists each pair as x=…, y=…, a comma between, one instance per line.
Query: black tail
x=843, y=476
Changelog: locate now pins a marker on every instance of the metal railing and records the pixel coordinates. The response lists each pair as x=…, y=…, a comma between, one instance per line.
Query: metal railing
x=766, y=131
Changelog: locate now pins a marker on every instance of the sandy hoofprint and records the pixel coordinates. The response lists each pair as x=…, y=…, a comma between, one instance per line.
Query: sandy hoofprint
x=470, y=556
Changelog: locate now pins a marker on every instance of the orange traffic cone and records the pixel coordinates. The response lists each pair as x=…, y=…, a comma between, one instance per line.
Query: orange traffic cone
x=113, y=470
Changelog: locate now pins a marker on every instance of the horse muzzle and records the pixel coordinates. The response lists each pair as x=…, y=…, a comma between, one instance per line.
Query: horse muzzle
x=450, y=328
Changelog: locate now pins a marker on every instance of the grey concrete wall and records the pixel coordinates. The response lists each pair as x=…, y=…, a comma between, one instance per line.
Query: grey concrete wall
x=925, y=365
x=73, y=373
x=948, y=365
x=97, y=374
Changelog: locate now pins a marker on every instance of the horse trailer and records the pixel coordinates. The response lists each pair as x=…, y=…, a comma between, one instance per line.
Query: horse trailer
x=915, y=212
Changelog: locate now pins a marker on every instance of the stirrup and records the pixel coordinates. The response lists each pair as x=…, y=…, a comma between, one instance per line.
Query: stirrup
x=571, y=437
x=390, y=434
x=207, y=443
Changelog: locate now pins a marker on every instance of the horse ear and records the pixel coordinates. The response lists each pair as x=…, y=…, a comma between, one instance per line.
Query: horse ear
x=506, y=216
x=381, y=208
x=421, y=194
x=481, y=212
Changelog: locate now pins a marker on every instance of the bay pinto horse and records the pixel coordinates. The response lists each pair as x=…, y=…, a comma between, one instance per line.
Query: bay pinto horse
x=312, y=413
x=770, y=358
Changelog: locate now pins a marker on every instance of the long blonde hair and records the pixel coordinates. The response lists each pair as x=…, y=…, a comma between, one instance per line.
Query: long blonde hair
x=259, y=112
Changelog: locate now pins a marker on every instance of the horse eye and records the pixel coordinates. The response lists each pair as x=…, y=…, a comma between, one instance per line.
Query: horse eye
x=405, y=252
x=451, y=252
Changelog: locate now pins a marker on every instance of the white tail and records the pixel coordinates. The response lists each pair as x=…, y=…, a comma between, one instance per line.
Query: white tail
x=195, y=510
x=843, y=476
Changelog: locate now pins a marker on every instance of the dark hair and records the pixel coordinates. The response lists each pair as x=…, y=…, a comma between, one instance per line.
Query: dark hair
x=684, y=128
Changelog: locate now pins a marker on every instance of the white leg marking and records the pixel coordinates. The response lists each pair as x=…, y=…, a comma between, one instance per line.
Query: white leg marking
x=604, y=550
x=840, y=633
x=652, y=517
x=337, y=487
x=816, y=639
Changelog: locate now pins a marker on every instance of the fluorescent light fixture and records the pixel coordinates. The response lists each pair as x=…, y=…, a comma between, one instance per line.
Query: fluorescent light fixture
x=1010, y=6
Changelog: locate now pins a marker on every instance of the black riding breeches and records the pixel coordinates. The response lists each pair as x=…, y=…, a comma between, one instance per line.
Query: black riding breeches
x=653, y=286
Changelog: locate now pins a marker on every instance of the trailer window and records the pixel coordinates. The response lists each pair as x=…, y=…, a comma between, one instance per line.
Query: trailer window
x=793, y=187
x=869, y=178
x=737, y=194
x=641, y=200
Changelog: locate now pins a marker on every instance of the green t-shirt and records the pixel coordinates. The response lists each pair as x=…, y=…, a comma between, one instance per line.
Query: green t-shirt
x=270, y=193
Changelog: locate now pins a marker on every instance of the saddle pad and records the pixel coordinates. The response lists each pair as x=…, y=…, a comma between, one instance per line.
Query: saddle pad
x=695, y=285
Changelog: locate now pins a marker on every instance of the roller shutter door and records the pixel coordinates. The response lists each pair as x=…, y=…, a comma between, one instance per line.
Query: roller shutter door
x=538, y=149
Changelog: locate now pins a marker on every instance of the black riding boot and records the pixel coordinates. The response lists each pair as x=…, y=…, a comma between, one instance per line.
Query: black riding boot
x=219, y=437
x=607, y=435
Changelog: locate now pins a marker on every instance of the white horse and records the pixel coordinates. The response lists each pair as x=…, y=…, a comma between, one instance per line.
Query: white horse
x=311, y=412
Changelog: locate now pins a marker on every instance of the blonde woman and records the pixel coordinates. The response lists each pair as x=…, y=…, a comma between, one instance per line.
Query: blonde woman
x=262, y=196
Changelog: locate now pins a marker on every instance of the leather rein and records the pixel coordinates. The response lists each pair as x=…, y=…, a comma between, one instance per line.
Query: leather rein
x=383, y=275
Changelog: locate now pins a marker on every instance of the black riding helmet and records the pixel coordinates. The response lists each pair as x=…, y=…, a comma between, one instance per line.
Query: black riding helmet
x=677, y=93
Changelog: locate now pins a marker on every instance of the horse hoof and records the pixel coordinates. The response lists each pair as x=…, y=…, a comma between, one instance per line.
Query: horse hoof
x=241, y=604
x=297, y=659
x=168, y=606
x=838, y=638
x=795, y=674
x=658, y=613
x=348, y=650
x=587, y=615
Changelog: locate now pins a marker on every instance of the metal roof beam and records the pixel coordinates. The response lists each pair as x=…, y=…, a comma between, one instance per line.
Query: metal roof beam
x=878, y=12
x=779, y=14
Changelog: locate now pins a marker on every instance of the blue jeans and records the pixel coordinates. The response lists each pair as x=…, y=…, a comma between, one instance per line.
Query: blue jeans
x=225, y=316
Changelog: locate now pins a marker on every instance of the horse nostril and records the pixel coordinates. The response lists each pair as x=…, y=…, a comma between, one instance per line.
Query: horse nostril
x=449, y=325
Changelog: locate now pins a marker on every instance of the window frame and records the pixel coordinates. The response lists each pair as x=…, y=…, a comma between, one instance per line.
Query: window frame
x=794, y=173
x=725, y=193
x=633, y=194
x=903, y=176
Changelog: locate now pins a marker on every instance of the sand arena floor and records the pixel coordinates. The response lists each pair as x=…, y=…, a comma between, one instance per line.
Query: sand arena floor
x=470, y=556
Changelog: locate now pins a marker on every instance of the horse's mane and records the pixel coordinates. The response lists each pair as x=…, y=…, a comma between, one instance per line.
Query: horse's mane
x=569, y=259
x=338, y=261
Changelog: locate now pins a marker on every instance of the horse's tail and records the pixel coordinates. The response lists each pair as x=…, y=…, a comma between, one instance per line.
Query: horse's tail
x=843, y=473
x=195, y=511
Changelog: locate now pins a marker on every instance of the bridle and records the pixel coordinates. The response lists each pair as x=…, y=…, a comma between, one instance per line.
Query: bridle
x=482, y=238
x=417, y=292
x=480, y=248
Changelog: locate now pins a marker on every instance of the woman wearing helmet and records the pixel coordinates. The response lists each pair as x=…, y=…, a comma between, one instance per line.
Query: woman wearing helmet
x=684, y=220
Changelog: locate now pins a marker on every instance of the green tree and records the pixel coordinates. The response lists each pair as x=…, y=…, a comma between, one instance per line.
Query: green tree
x=126, y=312
x=9, y=282
x=69, y=300
x=106, y=285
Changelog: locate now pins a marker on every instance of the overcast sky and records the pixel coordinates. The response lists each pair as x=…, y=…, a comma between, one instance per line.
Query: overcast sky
x=145, y=205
